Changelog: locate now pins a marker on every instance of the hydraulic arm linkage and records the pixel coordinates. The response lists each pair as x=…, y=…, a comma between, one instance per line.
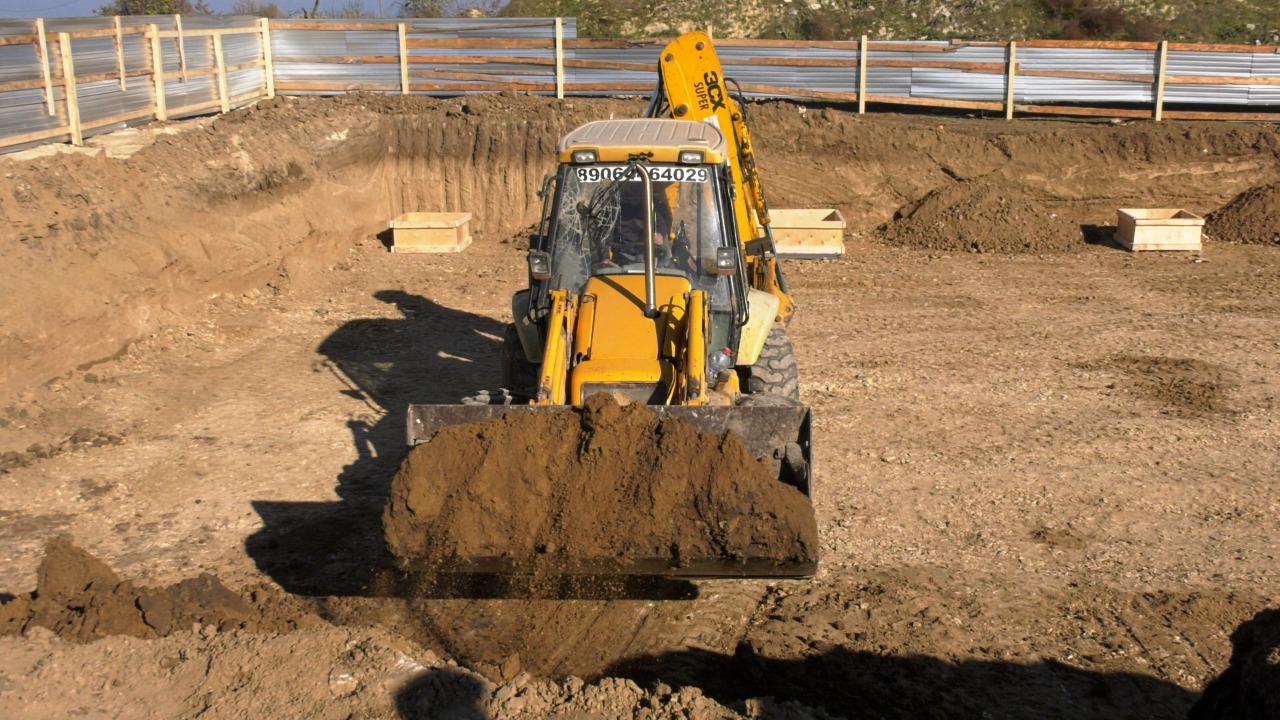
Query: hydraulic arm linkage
x=692, y=86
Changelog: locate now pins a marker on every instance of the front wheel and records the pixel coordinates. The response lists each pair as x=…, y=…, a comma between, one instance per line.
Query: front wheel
x=775, y=372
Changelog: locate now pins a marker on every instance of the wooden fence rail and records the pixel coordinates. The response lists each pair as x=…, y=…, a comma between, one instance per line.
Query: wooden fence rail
x=60, y=82
x=429, y=63
x=545, y=71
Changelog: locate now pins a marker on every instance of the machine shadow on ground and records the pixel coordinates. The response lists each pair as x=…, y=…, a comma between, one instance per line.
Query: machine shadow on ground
x=858, y=684
x=1101, y=236
x=443, y=693
x=431, y=354
x=1250, y=686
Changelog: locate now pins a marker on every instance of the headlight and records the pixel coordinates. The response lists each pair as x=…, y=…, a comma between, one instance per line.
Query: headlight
x=691, y=157
x=581, y=157
x=726, y=261
x=540, y=265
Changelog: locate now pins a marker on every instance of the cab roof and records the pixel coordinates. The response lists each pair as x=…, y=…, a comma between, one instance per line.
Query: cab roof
x=618, y=140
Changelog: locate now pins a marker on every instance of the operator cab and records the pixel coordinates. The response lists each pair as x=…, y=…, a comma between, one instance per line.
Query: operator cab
x=594, y=228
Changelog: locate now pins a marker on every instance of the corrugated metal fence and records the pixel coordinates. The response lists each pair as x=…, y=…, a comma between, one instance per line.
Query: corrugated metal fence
x=66, y=79
x=543, y=57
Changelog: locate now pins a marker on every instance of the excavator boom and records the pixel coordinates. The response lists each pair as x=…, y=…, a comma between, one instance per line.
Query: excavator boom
x=692, y=86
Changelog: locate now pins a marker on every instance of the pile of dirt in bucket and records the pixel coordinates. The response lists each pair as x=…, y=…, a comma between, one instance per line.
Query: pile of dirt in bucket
x=982, y=216
x=1252, y=218
x=81, y=599
x=603, y=483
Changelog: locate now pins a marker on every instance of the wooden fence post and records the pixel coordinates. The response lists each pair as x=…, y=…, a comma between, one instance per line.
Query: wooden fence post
x=268, y=66
x=55, y=59
x=42, y=50
x=559, y=58
x=1011, y=73
x=221, y=65
x=1162, y=57
x=157, y=71
x=404, y=59
x=73, y=101
x=124, y=82
x=862, y=75
x=182, y=46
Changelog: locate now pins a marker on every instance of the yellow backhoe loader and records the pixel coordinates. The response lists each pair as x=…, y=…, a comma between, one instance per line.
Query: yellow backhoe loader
x=653, y=277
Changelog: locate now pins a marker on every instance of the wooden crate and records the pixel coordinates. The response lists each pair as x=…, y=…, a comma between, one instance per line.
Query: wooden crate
x=814, y=233
x=1158, y=229
x=430, y=232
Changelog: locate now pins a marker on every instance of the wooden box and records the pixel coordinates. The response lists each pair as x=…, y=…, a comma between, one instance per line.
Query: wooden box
x=816, y=233
x=430, y=232
x=1159, y=229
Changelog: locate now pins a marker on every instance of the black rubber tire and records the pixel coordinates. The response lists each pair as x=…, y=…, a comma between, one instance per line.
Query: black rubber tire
x=767, y=400
x=793, y=470
x=518, y=374
x=497, y=396
x=775, y=371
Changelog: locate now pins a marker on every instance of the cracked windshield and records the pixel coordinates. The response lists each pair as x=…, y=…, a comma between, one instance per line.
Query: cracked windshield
x=601, y=228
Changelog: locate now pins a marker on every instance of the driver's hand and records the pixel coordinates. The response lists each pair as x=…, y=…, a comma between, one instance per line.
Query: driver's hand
x=661, y=248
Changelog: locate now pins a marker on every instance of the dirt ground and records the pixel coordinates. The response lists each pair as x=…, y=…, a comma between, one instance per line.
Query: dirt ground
x=1046, y=470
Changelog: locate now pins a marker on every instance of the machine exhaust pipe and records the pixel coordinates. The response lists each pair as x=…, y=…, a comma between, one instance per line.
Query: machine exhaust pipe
x=650, y=267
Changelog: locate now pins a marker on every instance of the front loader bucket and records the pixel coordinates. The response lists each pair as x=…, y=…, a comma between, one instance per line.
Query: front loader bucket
x=780, y=435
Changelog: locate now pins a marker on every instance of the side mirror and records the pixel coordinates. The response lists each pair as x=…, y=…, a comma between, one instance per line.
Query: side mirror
x=540, y=265
x=726, y=261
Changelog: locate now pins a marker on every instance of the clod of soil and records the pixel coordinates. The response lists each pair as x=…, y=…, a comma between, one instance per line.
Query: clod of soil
x=81, y=438
x=1252, y=218
x=81, y=599
x=584, y=485
x=982, y=216
x=1250, y=688
x=1186, y=386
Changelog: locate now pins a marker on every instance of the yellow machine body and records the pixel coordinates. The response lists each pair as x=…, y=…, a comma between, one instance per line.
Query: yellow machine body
x=696, y=89
x=652, y=332
x=618, y=350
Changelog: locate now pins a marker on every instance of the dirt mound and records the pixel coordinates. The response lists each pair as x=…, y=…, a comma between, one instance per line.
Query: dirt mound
x=81, y=599
x=1252, y=218
x=982, y=216
x=331, y=673
x=1250, y=688
x=599, y=483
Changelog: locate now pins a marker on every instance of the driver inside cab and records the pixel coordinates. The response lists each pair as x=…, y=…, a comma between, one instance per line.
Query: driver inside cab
x=626, y=243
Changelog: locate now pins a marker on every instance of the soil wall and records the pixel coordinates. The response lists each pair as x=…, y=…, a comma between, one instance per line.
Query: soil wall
x=110, y=251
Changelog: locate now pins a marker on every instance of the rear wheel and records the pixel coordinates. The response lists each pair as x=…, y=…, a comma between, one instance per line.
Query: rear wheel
x=518, y=374
x=775, y=371
x=792, y=467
